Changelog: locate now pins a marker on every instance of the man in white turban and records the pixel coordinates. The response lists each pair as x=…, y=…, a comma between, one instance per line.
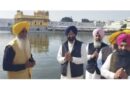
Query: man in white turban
x=92, y=71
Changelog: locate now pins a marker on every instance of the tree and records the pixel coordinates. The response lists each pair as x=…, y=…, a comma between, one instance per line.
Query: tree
x=66, y=19
x=85, y=20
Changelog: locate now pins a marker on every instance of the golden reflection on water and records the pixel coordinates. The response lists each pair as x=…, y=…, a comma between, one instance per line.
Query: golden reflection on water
x=39, y=42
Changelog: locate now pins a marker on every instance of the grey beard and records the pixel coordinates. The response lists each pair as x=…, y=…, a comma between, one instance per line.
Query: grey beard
x=97, y=44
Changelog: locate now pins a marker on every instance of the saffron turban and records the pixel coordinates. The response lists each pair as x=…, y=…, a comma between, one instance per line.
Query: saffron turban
x=71, y=28
x=113, y=36
x=18, y=27
x=123, y=38
x=98, y=31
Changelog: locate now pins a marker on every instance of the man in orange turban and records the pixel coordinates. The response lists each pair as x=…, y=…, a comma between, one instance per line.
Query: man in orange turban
x=18, y=59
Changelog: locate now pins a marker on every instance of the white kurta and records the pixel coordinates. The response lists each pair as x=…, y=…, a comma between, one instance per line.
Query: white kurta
x=105, y=69
x=75, y=60
x=99, y=60
x=88, y=74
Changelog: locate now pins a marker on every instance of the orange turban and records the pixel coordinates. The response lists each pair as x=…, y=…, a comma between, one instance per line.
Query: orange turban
x=18, y=27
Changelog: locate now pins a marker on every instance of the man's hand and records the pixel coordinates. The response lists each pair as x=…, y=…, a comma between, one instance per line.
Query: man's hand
x=121, y=74
x=68, y=56
x=94, y=55
x=124, y=75
x=29, y=64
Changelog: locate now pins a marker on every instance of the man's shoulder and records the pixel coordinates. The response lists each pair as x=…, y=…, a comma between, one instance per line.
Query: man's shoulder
x=106, y=47
x=65, y=42
x=79, y=41
x=91, y=43
x=9, y=48
x=12, y=42
x=105, y=44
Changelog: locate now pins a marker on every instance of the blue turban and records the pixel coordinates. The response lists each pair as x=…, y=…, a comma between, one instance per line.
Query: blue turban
x=71, y=28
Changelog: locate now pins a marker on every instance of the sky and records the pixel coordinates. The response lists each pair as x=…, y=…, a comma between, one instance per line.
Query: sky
x=77, y=15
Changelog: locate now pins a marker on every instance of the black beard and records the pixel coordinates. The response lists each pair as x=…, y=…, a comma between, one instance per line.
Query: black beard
x=71, y=39
x=123, y=52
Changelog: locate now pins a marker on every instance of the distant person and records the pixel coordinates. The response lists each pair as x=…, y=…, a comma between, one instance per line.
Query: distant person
x=124, y=26
x=72, y=56
x=18, y=60
x=92, y=71
x=117, y=65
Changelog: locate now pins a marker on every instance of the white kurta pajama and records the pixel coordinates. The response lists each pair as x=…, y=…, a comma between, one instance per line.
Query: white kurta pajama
x=75, y=60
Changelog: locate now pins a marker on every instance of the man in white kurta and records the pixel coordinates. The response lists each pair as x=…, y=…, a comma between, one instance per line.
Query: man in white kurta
x=117, y=64
x=93, y=48
x=71, y=33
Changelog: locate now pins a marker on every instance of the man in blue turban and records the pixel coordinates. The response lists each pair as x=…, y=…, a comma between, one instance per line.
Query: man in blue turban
x=72, y=55
x=71, y=28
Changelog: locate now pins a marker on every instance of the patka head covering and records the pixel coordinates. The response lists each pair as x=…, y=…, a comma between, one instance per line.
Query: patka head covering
x=123, y=38
x=99, y=31
x=71, y=28
x=18, y=27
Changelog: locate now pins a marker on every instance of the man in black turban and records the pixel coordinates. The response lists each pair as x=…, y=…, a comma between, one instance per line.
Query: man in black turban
x=72, y=55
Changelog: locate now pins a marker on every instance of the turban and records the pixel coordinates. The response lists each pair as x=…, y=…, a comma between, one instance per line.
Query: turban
x=71, y=28
x=18, y=27
x=98, y=31
x=113, y=36
x=123, y=38
x=127, y=31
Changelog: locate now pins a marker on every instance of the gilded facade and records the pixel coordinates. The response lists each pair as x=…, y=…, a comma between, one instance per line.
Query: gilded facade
x=39, y=19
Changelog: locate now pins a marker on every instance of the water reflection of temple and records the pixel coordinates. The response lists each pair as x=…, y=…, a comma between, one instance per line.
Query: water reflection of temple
x=39, y=42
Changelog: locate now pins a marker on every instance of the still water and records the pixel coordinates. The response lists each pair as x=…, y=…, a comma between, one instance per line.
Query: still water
x=44, y=49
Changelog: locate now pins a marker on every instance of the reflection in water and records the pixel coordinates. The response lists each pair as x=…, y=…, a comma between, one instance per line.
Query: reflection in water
x=44, y=50
x=39, y=42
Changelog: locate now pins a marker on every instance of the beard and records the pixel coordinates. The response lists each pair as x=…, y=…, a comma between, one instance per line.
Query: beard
x=123, y=52
x=71, y=39
x=24, y=44
x=97, y=44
